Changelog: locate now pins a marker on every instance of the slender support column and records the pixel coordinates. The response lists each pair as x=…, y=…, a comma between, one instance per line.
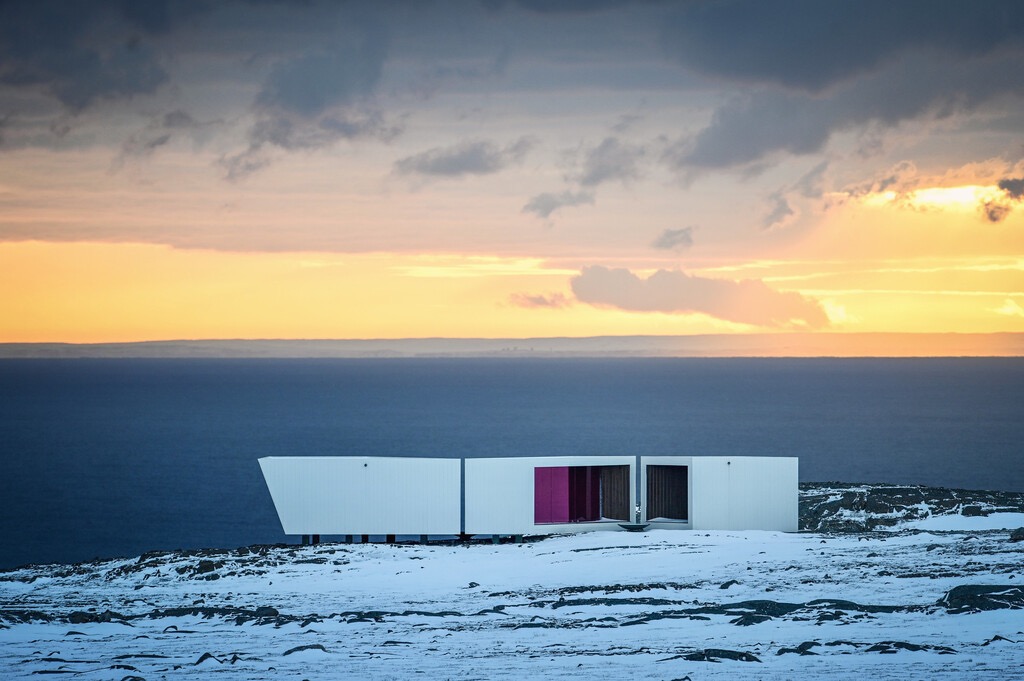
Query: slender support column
x=423, y=539
x=640, y=510
x=316, y=539
x=495, y=539
x=364, y=538
x=305, y=540
x=348, y=538
x=389, y=538
x=519, y=538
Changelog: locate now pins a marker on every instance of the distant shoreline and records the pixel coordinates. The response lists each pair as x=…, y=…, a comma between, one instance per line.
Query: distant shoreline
x=712, y=345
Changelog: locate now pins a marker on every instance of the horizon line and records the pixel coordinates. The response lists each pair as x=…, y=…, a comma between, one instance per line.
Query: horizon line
x=785, y=344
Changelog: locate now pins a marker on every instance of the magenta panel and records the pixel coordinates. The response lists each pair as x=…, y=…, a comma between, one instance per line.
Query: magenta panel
x=551, y=494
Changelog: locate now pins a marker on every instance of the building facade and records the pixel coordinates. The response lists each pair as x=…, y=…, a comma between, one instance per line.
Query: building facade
x=339, y=495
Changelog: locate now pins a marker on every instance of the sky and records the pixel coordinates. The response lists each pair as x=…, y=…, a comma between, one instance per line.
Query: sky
x=273, y=169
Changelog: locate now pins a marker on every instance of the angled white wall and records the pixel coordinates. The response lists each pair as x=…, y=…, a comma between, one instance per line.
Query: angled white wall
x=364, y=495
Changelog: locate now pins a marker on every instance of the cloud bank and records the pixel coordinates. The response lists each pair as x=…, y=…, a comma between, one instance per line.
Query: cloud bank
x=819, y=68
x=810, y=45
x=747, y=302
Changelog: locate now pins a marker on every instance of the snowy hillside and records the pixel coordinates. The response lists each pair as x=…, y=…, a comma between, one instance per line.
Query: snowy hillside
x=901, y=603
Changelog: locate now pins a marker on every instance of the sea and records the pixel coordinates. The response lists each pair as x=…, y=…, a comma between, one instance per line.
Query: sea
x=116, y=457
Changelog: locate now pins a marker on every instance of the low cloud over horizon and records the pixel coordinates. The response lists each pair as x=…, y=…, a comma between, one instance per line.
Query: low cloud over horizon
x=747, y=301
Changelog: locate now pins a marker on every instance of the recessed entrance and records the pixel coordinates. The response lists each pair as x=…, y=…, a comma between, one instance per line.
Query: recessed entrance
x=579, y=494
x=668, y=493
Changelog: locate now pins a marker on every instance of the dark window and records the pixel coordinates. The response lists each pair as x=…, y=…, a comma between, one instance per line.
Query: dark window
x=667, y=492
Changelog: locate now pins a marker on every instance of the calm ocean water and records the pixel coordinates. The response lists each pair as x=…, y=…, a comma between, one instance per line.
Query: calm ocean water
x=117, y=457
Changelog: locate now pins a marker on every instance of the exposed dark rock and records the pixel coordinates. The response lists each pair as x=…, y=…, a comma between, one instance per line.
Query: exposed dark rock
x=978, y=597
x=826, y=507
x=79, y=617
x=802, y=649
x=23, y=616
x=574, y=602
x=718, y=654
x=856, y=607
x=726, y=585
x=997, y=637
x=1017, y=535
x=311, y=646
x=892, y=647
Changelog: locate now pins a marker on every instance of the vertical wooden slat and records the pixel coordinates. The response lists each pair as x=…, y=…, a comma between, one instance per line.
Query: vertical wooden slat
x=614, y=492
x=667, y=492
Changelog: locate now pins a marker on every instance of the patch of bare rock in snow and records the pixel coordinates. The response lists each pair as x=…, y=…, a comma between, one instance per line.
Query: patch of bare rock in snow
x=858, y=593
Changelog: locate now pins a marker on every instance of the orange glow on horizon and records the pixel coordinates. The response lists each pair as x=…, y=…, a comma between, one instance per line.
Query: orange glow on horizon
x=98, y=292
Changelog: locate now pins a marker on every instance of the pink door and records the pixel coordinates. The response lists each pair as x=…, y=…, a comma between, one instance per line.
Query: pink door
x=551, y=494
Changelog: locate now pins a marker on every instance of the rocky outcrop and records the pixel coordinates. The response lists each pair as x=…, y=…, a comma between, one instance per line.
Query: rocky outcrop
x=843, y=507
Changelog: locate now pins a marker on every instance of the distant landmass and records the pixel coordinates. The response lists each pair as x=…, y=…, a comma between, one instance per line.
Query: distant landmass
x=712, y=345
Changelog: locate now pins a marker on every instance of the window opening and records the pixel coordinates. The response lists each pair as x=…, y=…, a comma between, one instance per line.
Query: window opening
x=667, y=493
x=578, y=494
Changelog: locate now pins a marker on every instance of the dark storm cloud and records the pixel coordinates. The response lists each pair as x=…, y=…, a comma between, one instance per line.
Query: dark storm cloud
x=811, y=45
x=1014, y=187
x=315, y=82
x=473, y=157
x=543, y=205
x=748, y=130
x=81, y=52
x=748, y=302
x=612, y=159
x=316, y=98
x=674, y=239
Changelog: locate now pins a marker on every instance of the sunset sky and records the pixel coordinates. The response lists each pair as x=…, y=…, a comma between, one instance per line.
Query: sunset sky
x=491, y=169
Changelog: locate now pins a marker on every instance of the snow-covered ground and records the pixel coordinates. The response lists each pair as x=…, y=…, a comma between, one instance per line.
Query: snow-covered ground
x=615, y=605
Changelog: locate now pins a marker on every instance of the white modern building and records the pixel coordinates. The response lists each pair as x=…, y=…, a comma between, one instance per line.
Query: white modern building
x=339, y=495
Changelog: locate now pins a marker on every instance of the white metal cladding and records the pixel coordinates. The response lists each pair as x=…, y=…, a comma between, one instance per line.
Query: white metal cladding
x=396, y=495
x=499, y=493
x=364, y=495
x=744, y=493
